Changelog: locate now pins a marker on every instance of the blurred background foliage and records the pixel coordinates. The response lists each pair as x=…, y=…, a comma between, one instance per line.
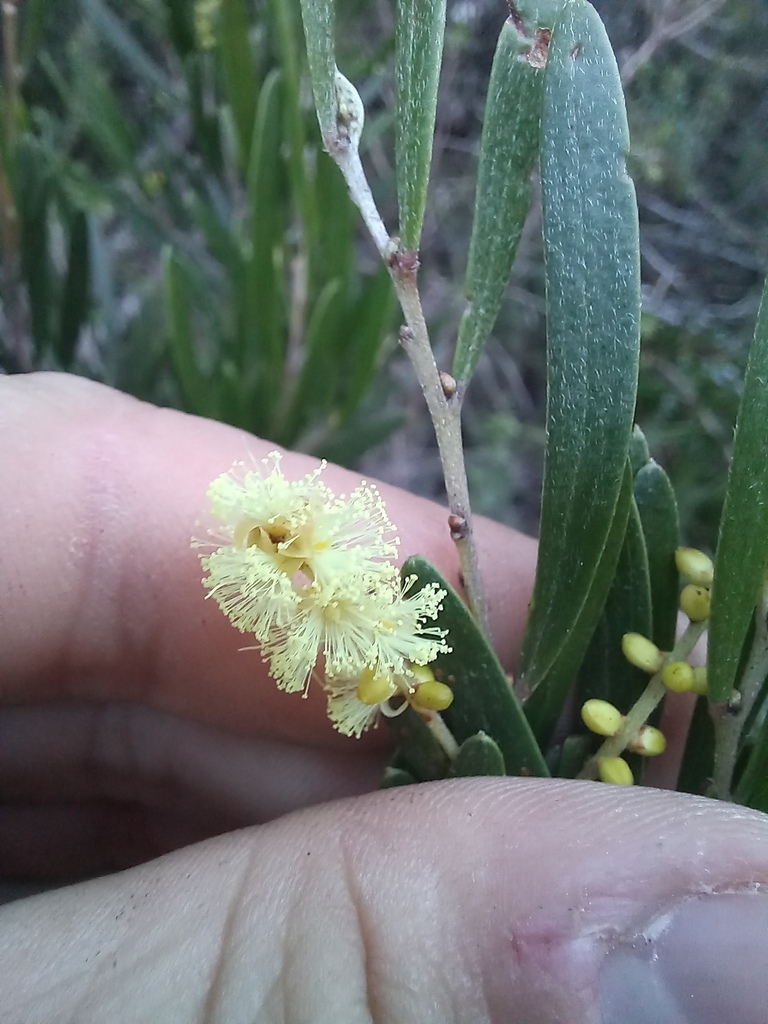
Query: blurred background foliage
x=169, y=225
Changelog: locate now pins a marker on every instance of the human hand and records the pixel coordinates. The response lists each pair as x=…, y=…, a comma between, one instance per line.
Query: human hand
x=134, y=726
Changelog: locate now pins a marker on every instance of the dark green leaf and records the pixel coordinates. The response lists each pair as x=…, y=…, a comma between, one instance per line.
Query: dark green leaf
x=484, y=700
x=638, y=450
x=573, y=754
x=418, y=753
x=419, y=54
x=75, y=294
x=658, y=514
x=181, y=340
x=478, y=755
x=593, y=315
x=116, y=35
x=394, y=777
x=698, y=759
x=742, y=547
x=544, y=706
x=605, y=673
x=237, y=66
x=508, y=152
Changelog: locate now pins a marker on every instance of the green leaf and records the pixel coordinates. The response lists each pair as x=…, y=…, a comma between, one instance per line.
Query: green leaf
x=508, y=151
x=593, y=316
x=394, y=777
x=419, y=54
x=319, y=28
x=115, y=34
x=237, y=66
x=180, y=15
x=538, y=13
x=639, y=454
x=573, y=754
x=418, y=753
x=605, y=673
x=742, y=547
x=75, y=294
x=372, y=320
x=484, y=700
x=544, y=706
x=658, y=513
x=478, y=755
x=181, y=339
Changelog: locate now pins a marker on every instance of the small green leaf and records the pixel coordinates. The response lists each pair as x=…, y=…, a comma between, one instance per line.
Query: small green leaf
x=478, y=755
x=639, y=454
x=484, y=700
x=742, y=547
x=418, y=753
x=419, y=54
x=319, y=30
x=593, y=317
x=508, y=151
x=658, y=513
x=394, y=777
x=573, y=754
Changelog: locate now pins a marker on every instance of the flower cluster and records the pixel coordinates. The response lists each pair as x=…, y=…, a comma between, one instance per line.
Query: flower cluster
x=310, y=573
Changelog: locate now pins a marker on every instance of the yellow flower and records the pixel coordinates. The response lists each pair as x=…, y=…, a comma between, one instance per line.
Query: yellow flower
x=309, y=574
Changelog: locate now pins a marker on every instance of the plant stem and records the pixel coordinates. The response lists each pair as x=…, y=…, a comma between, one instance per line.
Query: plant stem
x=729, y=722
x=443, y=735
x=648, y=701
x=444, y=410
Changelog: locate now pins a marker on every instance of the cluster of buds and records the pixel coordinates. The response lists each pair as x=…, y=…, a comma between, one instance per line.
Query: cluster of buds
x=667, y=673
x=308, y=573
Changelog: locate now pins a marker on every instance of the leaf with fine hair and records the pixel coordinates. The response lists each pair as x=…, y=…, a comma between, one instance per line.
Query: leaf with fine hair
x=419, y=54
x=658, y=513
x=593, y=331
x=742, y=547
x=319, y=29
x=508, y=151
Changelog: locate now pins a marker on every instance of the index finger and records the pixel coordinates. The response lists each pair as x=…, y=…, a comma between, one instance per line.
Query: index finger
x=102, y=594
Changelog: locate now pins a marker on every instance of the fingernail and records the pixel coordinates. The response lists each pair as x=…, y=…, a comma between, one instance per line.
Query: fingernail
x=705, y=962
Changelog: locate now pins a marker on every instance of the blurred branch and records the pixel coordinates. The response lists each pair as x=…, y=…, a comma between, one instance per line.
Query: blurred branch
x=668, y=24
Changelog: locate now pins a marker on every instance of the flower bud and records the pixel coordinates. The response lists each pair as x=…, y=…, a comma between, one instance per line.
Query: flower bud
x=700, y=685
x=615, y=770
x=695, y=566
x=601, y=717
x=642, y=653
x=678, y=676
x=373, y=689
x=649, y=742
x=695, y=602
x=422, y=673
x=433, y=696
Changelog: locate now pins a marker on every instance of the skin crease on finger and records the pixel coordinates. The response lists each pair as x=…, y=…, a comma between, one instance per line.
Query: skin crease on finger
x=399, y=906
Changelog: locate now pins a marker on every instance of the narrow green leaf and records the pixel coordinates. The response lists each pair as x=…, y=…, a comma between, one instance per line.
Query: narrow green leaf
x=179, y=326
x=478, y=755
x=180, y=16
x=320, y=373
x=372, y=320
x=483, y=696
x=237, y=68
x=593, y=336
x=538, y=13
x=605, y=673
x=658, y=513
x=742, y=547
x=573, y=754
x=419, y=54
x=319, y=29
x=544, y=706
x=508, y=151
x=265, y=194
x=75, y=293
x=113, y=31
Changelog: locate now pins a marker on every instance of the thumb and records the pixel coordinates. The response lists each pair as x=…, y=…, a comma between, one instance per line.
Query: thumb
x=514, y=901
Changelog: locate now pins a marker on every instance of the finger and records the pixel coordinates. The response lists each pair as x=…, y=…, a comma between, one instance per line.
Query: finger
x=526, y=902
x=102, y=593
x=93, y=787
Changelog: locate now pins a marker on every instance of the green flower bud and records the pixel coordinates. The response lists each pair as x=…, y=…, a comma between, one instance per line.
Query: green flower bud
x=678, y=676
x=642, y=653
x=601, y=717
x=695, y=602
x=615, y=770
x=695, y=566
